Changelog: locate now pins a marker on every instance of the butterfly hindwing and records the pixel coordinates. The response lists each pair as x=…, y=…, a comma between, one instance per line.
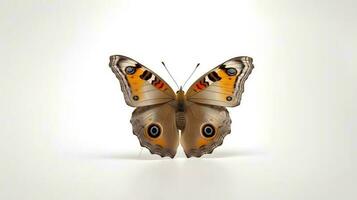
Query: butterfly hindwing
x=223, y=85
x=141, y=86
x=156, y=129
x=205, y=128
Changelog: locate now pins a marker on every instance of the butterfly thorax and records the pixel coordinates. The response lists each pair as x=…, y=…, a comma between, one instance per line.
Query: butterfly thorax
x=180, y=117
x=180, y=98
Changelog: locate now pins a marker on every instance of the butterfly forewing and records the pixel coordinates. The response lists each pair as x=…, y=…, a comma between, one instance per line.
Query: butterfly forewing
x=223, y=85
x=141, y=86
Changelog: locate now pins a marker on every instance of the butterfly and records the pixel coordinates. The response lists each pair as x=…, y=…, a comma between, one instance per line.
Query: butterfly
x=197, y=119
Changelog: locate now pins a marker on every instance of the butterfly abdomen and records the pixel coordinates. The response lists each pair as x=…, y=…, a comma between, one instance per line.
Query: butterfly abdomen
x=180, y=120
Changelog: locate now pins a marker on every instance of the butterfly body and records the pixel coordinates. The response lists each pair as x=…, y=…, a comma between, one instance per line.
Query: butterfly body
x=198, y=119
x=180, y=110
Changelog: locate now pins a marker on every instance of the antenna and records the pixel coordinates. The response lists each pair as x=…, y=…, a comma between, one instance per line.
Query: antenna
x=169, y=74
x=198, y=64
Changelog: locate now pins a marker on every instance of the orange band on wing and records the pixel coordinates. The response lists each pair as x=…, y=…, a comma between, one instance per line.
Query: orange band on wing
x=135, y=83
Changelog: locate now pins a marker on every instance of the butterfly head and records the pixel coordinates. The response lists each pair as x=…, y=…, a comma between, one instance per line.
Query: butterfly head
x=180, y=92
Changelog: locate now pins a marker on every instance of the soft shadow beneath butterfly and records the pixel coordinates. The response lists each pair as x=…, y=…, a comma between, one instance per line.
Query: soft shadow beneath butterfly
x=200, y=114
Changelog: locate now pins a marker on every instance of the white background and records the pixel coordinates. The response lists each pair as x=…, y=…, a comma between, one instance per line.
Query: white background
x=64, y=125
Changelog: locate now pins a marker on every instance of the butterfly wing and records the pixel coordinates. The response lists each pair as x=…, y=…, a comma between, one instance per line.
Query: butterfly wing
x=156, y=129
x=223, y=85
x=205, y=128
x=141, y=86
x=154, y=120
